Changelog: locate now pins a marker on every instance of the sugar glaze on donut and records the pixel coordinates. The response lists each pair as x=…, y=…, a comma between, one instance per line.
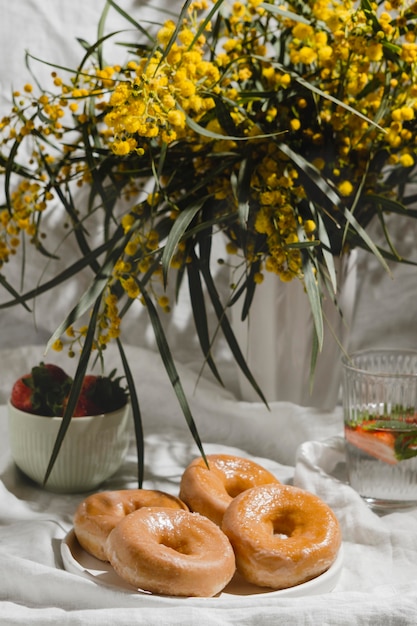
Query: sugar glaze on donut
x=99, y=513
x=171, y=552
x=282, y=535
x=210, y=490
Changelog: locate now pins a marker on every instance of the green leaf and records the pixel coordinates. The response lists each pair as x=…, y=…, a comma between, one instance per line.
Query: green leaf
x=178, y=26
x=288, y=15
x=243, y=189
x=137, y=417
x=311, y=87
x=91, y=295
x=390, y=205
x=314, y=296
x=198, y=308
x=60, y=278
x=405, y=446
x=398, y=425
x=100, y=31
x=18, y=299
x=10, y=167
x=207, y=19
x=75, y=389
x=315, y=350
x=220, y=310
x=324, y=186
x=248, y=287
x=179, y=227
x=170, y=368
x=367, y=8
x=224, y=117
x=328, y=257
x=205, y=132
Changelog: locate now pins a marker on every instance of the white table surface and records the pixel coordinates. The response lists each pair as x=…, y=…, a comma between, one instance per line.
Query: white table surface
x=378, y=583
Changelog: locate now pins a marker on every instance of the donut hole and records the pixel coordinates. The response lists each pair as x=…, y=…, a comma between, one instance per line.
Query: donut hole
x=179, y=544
x=233, y=489
x=236, y=485
x=283, y=526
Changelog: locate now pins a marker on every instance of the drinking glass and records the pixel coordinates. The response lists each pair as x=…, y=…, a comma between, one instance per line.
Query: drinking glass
x=380, y=425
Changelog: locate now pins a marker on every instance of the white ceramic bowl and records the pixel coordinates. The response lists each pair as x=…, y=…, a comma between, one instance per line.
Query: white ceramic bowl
x=93, y=448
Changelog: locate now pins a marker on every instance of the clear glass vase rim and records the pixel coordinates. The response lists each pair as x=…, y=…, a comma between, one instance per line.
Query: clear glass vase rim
x=348, y=361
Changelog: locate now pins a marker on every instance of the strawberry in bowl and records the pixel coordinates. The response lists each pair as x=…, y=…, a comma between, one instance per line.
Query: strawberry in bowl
x=95, y=443
x=45, y=391
x=42, y=391
x=100, y=394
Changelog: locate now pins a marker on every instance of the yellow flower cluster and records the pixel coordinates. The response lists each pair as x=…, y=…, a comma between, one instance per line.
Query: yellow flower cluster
x=28, y=200
x=348, y=54
x=107, y=329
x=275, y=191
x=164, y=89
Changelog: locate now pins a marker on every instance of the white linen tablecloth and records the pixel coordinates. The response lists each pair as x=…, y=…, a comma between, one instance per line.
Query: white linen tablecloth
x=378, y=583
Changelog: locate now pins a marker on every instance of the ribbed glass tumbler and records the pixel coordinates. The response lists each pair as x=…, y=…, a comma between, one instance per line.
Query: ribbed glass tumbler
x=380, y=425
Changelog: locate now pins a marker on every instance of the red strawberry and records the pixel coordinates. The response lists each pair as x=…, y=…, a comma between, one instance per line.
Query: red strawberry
x=86, y=404
x=21, y=396
x=100, y=394
x=42, y=391
x=380, y=445
x=57, y=374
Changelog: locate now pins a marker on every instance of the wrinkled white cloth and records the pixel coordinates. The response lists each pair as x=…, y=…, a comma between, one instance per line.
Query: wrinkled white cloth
x=378, y=579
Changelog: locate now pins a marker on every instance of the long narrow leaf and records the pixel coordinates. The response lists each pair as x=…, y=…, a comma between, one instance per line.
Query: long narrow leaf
x=90, y=295
x=170, y=368
x=326, y=247
x=10, y=166
x=278, y=10
x=311, y=87
x=137, y=418
x=315, y=349
x=250, y=290
x=313, y=293
x=60, y=278
x=215, y=9
x=390, y=205
x=205, y=132
x=178, y=25
x=200, y=314
x=139, y=26
x=75, y=389
x=68, y=204
x=178, y=229
x=331, y=194
x=222, y=317
x=100, y=32
x=17, y=297
x=244, y=185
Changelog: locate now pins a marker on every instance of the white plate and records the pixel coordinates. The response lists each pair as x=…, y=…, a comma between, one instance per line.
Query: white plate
x=79, y=562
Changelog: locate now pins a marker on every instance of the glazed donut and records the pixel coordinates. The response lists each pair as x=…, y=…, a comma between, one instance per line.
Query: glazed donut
x=282, y=536
x=99, y=513
x=171, y=552
x=209, y=490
